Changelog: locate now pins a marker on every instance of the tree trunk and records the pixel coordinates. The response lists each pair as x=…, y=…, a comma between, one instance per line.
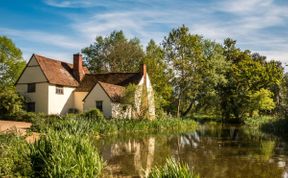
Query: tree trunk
x=188, y=109
x=178, y=108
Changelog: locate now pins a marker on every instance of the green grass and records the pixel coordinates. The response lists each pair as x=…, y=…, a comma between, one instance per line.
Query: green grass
x=14, y=156
x=172, y=169
x=62, y=154
x=108, y=127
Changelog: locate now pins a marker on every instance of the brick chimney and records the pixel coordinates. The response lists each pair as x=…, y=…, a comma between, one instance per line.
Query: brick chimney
x=78, y=66
x=143, y=70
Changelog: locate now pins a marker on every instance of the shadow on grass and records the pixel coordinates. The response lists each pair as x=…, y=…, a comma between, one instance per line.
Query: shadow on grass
x=277, y=127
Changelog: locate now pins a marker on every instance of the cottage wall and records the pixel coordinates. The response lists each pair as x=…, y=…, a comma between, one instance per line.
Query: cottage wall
x=34, y=74
x=60, y=103
x=78, y=100
x=40, y=96
x=98, y=94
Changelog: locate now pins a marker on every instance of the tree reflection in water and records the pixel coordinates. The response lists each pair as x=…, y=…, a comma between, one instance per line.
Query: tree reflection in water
x=211, y=151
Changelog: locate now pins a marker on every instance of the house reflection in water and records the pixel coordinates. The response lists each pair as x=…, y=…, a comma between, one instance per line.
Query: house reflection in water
x=135, y=157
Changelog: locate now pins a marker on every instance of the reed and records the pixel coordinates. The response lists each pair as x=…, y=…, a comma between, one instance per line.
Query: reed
x=172, y=169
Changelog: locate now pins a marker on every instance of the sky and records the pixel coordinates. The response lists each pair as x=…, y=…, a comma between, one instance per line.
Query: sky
x=60, y=28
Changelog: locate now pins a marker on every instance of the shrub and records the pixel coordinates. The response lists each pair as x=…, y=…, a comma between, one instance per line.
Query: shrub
x=94, y=114
x=172, y=169
x=14, y=154
x=10, y=100
x=61, y=154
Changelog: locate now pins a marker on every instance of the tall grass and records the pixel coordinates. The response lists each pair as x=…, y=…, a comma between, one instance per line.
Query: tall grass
x=62, y=154
x=65, y=151
x=172, y=169
x=106, y=127
x=14, y=156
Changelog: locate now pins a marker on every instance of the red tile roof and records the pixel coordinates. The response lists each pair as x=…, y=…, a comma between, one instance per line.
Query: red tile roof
x=115, y=92
x=121, y=79
x=58, y=72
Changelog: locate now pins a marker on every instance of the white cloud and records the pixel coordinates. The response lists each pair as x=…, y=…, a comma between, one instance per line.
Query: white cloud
x=57, y=40
x=244, y=20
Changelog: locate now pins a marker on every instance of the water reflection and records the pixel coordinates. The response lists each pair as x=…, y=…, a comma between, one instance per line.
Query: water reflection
x=212, y=151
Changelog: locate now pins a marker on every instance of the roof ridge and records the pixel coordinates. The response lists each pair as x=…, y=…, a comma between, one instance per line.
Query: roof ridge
x=114, y=73
x=110, y=84
x=48, y=58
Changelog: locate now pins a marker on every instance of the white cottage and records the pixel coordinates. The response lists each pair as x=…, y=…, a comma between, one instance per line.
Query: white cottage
x=54, y=87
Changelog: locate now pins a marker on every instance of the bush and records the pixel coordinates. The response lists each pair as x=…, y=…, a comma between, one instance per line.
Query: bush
x=61, y=154
x=172, y=169
x=93, y=114
x=14, y=154
x=10, y=101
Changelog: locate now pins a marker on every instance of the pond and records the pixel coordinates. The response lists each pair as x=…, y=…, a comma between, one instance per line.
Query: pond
x=211, y=151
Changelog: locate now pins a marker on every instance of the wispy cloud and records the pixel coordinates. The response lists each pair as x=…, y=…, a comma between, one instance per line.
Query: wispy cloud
x=57, y=40
x=258, y=25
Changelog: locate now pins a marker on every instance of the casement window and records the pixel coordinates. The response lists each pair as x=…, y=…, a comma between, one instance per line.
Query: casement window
x=59, y=90
x=99, y=105
x=31, y=87
x=30, y=107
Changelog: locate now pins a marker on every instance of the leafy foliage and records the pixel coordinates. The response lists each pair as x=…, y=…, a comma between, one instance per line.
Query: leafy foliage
x=198, y=67
x=248, y=82
x=93, y=114
x=11, y=62
x=159, y=75
x=114, y=53
x=10, y=101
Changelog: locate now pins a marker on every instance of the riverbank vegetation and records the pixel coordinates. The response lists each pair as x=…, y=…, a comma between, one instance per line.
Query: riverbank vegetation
x=66, y=146
x=172, y=168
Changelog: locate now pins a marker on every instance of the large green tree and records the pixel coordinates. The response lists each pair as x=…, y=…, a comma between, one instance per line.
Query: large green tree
x=114, y=53
x=251, y=80
x=11, y=66
x=197, y=64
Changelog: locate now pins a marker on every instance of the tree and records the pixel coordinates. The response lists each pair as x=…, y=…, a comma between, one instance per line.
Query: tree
x=11, y=66
x=11, y=62
x=197, y=64
x=10, y=101
x=114, y=53
x=159, y=75
x=250, y=79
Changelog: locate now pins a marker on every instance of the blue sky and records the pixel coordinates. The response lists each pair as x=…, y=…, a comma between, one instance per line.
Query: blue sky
x=59, y=28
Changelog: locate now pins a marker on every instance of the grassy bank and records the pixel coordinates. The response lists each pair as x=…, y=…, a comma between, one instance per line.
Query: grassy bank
x=277, y=126
x=55, y=154
x=66, y=147
x=107, y=127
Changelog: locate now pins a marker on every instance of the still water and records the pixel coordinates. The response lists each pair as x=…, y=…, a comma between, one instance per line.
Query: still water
x=211, y=151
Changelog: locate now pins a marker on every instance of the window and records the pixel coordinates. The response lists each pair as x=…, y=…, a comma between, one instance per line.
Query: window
x=30, y=107
x=99, y=105
x=59, y=90
x=31, y=87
